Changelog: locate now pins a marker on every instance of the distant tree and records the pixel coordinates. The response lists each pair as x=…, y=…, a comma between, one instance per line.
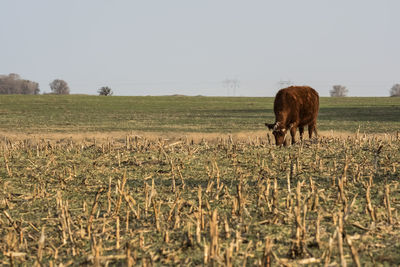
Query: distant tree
x=29, y=87
x=59, y=87
x=395, y=91
x=13, y=84
x=338, y=91
x=14, y=76
x=105, y=90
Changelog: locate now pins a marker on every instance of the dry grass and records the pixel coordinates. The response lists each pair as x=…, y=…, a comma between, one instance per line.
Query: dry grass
x=120, y=136
x=167, y=199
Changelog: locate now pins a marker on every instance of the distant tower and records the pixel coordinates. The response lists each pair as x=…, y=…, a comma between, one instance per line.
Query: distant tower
x=284, y=84
x=231, y=85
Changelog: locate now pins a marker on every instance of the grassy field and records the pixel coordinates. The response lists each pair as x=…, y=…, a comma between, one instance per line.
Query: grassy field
x=76, y=113
x=176, y=198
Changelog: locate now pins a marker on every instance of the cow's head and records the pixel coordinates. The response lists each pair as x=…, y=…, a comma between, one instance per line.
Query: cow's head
x=279, y=131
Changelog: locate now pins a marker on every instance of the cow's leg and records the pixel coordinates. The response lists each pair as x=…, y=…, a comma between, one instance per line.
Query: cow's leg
x=312, y=128
x=293, y=134
x=301, y=130
x=315, y=131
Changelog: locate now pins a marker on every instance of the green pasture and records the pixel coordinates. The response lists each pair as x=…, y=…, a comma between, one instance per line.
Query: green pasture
x=75, y=113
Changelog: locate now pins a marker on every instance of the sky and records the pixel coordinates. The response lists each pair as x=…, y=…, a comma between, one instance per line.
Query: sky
x=191, y=47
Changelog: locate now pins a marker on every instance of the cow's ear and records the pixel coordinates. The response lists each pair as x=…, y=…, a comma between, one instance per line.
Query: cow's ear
x=270, y=126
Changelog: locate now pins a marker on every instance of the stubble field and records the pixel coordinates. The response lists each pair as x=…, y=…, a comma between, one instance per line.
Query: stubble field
x=201, y=191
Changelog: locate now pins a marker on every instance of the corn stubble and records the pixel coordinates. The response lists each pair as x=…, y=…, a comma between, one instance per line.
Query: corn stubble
x=228, y=202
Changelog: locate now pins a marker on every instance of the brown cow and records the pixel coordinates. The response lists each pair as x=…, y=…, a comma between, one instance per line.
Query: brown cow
x=294, y=107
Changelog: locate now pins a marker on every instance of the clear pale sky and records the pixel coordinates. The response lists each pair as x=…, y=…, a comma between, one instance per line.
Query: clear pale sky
x=189, y=47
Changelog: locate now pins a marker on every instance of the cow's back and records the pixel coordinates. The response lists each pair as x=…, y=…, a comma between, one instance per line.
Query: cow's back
x=298, y=104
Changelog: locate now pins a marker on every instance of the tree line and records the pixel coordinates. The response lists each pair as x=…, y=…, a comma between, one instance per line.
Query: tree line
x=342, y=91
x=14, y=84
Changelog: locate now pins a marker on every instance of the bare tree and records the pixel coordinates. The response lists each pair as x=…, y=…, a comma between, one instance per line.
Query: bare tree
x=338, y=91
x=59, y=87
x=13, y=84
x=395, y=91
x=29, y=87
x=105, y=90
